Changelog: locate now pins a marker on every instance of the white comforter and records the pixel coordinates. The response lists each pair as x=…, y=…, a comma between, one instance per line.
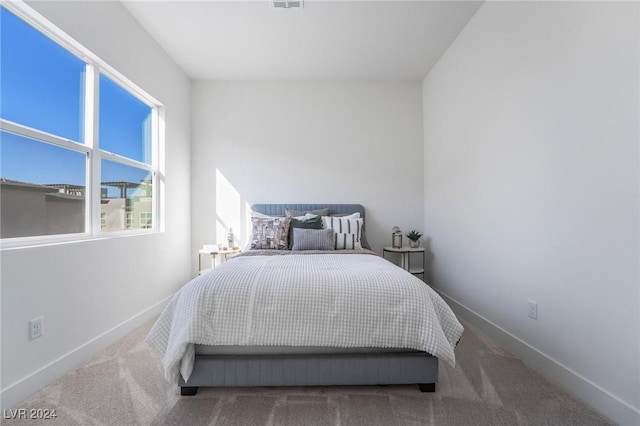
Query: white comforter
x=338, y=300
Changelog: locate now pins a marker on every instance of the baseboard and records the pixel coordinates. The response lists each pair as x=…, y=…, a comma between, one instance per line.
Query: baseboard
x=600, y=399
x=17, y=392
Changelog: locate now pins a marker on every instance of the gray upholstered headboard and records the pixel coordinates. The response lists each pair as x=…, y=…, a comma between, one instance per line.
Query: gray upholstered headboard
x=279, y=209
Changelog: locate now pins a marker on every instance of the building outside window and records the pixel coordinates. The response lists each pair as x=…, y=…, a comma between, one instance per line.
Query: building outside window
x=145, y=220
x=59, y=174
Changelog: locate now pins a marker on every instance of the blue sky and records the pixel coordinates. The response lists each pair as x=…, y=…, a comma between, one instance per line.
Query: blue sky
x=42, y=86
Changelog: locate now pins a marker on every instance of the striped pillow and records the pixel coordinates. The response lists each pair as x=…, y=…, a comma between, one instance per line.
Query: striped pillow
x=347, y=232
x=312, y=239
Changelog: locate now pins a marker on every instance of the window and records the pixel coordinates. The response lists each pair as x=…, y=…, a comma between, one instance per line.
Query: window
x=145, y=220
x=78, y=141
x=43, y=84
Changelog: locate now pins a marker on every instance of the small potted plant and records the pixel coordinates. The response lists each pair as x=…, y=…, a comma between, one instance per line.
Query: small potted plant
x=414, y=238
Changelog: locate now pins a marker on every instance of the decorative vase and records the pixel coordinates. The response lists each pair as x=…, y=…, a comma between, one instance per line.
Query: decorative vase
x=414, y=244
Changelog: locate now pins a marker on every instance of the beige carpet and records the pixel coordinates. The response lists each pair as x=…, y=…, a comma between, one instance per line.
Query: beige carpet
x=123, y=385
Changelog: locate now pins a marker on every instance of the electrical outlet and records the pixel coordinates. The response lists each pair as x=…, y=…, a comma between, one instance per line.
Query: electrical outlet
x=533, y=309
x=36, y=328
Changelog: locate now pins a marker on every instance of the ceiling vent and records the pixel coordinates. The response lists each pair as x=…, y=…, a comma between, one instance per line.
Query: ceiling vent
x=288, y=4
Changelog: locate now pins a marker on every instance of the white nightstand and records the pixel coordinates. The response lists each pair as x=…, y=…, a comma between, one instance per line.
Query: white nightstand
x=224, y=255
x=405, y=259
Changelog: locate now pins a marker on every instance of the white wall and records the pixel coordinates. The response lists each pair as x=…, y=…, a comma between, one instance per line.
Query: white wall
x=532, y=188
x=306, y=142
x=92, y=292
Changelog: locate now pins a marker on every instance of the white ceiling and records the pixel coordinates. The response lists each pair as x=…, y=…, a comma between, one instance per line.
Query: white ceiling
x=326, y=40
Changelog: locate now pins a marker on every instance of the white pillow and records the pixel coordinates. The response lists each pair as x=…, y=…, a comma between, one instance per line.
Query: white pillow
x=347, y=231
x=306, y=216
x=355, y=215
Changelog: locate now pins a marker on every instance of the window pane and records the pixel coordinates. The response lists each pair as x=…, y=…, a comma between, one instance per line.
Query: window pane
x=42, y=84
x=125, y=123
x=126, y=197
x=42, y=188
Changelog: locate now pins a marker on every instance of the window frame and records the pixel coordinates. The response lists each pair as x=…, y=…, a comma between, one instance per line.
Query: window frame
x=94, y=67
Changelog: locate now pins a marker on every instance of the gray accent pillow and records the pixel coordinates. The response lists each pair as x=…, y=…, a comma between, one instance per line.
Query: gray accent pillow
x=269, y=232
x=295, y=213
x=312, y=239
x=314, y=222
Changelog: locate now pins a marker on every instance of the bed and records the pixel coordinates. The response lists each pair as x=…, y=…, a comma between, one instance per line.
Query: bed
x=305, y=318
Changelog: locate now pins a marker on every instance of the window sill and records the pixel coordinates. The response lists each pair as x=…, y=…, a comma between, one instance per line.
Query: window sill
x=36, y=242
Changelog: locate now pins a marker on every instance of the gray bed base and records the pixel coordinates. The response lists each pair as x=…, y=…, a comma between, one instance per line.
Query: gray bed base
x=312, y=369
